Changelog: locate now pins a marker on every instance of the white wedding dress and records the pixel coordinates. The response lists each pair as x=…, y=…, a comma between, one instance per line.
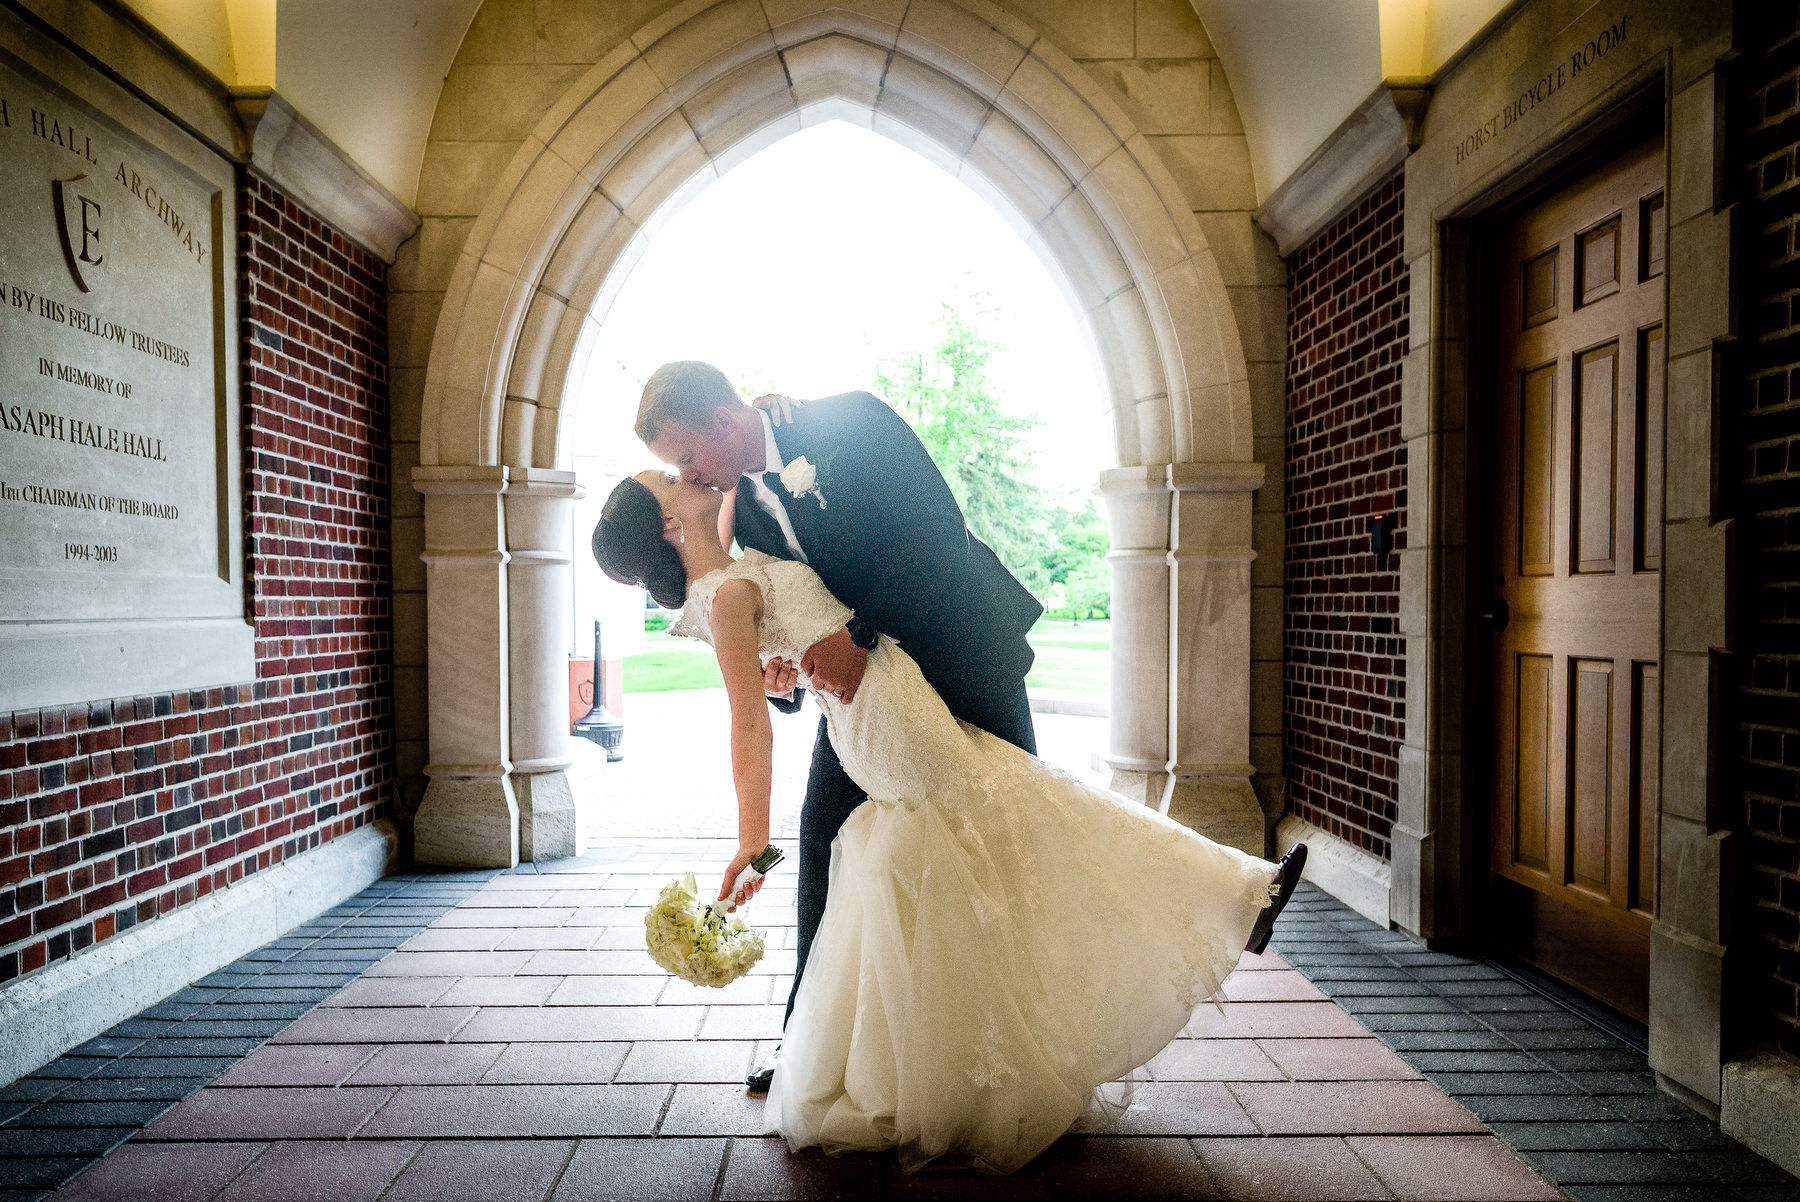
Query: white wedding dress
x=1001, y=940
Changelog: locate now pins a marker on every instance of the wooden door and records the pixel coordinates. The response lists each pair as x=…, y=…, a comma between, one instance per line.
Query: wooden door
x=1577, y=548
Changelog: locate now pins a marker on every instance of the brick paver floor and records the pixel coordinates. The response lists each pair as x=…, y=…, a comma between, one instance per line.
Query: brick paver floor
x=522, y=1046
x=1578, y=1102
x=501, y=1036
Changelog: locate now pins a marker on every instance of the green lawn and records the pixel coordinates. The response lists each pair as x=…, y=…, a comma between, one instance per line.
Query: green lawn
x=1070, y=658
x=672, y=663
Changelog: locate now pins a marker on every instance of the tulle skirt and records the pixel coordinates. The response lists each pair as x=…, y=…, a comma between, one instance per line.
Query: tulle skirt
x=995, y=958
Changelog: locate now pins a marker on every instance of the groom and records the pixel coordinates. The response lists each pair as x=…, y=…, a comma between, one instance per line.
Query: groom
x=881, y=528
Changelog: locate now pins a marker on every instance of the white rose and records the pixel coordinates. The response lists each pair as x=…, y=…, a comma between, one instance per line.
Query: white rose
x=799, y=477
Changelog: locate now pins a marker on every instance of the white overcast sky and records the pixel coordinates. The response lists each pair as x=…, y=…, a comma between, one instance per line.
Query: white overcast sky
x=812, y=261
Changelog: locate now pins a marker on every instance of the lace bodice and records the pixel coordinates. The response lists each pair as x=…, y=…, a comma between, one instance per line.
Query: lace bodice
x=798, y=610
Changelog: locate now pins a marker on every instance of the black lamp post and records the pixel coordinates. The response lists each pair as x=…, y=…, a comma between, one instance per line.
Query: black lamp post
x=597, y=724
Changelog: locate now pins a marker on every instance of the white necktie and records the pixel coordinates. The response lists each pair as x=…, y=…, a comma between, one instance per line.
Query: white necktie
x=765, y=495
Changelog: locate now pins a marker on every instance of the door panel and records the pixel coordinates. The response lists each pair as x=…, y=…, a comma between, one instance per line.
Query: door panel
x=1537, y=471
x=1533, y=845
x=1646, y=796
x=1650, y=448
x=1577, y=538
x=1590, y=775
x=1596, y=406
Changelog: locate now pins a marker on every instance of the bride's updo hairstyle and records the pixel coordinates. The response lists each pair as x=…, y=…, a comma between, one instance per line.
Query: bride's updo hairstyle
x=630, y=547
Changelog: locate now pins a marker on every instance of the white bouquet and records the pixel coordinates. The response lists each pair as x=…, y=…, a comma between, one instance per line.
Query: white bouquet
x=698, y=943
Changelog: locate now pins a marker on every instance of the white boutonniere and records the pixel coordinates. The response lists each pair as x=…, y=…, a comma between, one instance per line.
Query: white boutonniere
x=801, y=479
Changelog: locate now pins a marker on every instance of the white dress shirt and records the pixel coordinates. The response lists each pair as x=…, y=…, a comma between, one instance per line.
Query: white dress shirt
x=765, y=496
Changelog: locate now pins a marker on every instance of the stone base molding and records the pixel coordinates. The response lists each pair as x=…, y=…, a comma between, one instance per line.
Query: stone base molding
x=1760, y=1107
x=1221, y=806
x=468, y=818
x=1353, y=876
x=549, y=820
x=45, y=1014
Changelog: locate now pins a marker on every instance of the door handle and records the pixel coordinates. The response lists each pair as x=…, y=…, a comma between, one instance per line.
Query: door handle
x=1500, y=615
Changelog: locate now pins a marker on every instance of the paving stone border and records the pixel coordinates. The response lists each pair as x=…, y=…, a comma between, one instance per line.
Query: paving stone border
x=1577, y=1102
x=57, y=1121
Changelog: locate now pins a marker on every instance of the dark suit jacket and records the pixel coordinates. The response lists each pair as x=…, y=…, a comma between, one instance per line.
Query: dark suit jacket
x=891, y=543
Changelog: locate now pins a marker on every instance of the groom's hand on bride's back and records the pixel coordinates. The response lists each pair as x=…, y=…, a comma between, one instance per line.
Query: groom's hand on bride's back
x=780, y=408
x=836, y=664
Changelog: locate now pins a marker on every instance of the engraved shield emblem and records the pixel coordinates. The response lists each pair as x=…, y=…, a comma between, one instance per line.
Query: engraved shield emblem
x=80, y=224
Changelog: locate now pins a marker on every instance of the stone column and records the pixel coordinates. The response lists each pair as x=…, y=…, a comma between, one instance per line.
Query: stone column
x=1434, y=857
x=1694, y=987
x=1208, y=773
x=1136, y=500
x=468, y=817
x=540, y=592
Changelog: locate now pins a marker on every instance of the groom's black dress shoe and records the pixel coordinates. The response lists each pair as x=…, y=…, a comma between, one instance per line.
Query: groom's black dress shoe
x=763, y=1075
x=1287, y=878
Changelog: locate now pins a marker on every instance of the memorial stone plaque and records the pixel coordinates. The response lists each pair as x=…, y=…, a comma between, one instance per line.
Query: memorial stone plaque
x=118, y=425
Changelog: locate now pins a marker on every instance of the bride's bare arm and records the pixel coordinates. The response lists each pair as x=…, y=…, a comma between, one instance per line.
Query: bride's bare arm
x=734, y=613
x=779, y=675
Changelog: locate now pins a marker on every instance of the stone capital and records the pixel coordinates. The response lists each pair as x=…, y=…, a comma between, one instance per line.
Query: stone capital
x=459, y=479
x=1232, y=476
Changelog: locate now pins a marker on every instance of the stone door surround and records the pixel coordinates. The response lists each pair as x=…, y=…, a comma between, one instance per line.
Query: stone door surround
x=976, y=90
x=1555, y=81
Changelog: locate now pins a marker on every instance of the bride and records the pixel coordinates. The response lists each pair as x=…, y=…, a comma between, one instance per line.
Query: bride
x=1002, y=942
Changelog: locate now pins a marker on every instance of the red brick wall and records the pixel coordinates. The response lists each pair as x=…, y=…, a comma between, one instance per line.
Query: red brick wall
x=1765, y=479
x=1345, y=672
x=119, y=810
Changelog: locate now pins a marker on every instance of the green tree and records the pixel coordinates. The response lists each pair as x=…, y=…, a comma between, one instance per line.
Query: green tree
x=751, y=385
x=1074, y=561
x=1087, y=592
x=984, y=453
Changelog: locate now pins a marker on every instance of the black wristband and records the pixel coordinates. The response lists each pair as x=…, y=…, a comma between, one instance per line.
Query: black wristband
x=862, y=634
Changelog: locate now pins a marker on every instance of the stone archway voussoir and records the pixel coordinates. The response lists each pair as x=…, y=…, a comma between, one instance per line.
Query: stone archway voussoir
x=544, y=315
x=1079, y=239
x=737, y=104
x=933, y=105
x=595, y=235
x=653, y=167
x=1129, y=322
x=614, y=109
x=1121, y=195
x=874, y=21
x=685, y=57
x=836, y=66
x=964, y=46
x=1009, y=161
x=545, y=198
x=1057, y=117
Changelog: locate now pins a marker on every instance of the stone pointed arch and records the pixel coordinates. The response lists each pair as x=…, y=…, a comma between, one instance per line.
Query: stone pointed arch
x=711, y=82
x=983, y=94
